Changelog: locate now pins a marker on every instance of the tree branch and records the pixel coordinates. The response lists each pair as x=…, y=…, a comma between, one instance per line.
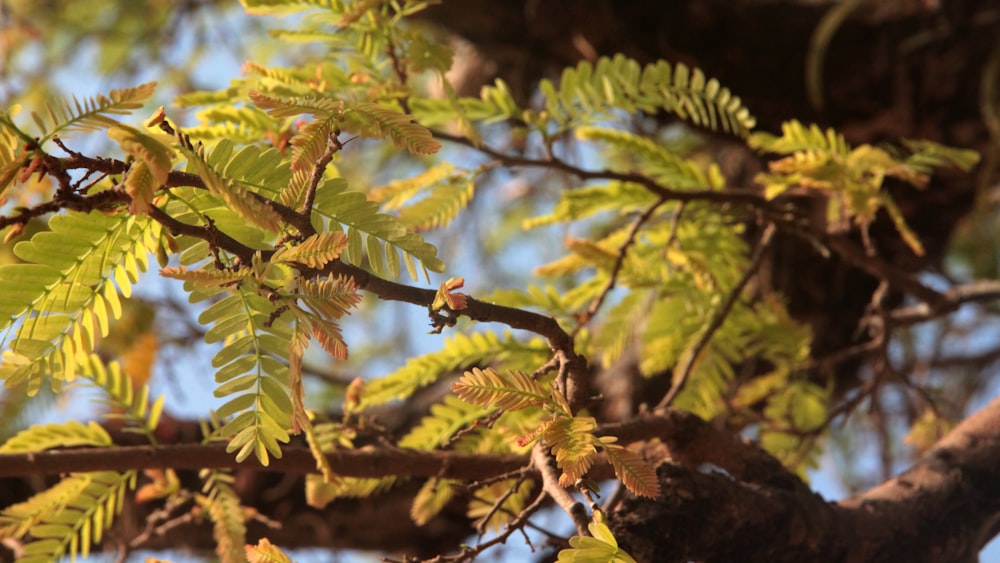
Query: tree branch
x=975, y=292
x=944, y=508
x=365, y=462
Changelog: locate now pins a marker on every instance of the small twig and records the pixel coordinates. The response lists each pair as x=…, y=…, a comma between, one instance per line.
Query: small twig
x=517, y=473
x=332, y=148
x=675, y=224
x=717, y=320
x=955, y=297
x=153, y=521
x=630, y=237
x=485, y=421
x=718, y=196
x=497, y=505
x=881, y=270
x=548, y=366
x=835, y=358
x=541, y=461
x=67, y=150
x=399, y=69
x=616, y=497
x=470, y=553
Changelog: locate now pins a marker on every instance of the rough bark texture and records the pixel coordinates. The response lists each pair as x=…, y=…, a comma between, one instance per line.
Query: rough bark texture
x=944, y=508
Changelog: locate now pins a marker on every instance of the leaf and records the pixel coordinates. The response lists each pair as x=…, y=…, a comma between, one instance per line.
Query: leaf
x=632, y=470
x=140, y=185
x=590, y=91
x=601, y=547
x=927, y=155
x=157, y=157
x=573, y=445
x=431, y=499
x=373, y=119
x=579, y=203
x=459, y=352
x=255, y=375
x=69, y=517
x=316, y=251
x=488, y=388
x=64, y=294
x=445, y=298
x=266, y=552
x=362, y=219
x=223, y=507
x=92, y=113
x=330, y=298
x=653, y=159
x=327, y=333
x=65, y=435
x=236, y=198
x=438, y=428
x=310, y=142
x=129, y=400
x=206, y=278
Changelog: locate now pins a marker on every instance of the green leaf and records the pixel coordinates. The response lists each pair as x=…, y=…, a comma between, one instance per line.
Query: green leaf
x=236, y=198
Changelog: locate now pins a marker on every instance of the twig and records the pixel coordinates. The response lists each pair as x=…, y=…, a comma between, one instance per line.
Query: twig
x=399, y=68
x=154, y=525
x=177, y=179
x=541, y=461
x=215, y=238
x=883, y=271
x=718, y=196
x=332, y=147
x=630, y=237
x=717, y=320
x=470, y=553
x=953, y=298
x=497, y=505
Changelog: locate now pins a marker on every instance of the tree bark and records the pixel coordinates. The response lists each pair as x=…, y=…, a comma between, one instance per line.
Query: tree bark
x=944, y=508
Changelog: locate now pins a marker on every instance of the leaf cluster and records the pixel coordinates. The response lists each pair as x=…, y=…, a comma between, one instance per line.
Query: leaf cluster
x=851, y=179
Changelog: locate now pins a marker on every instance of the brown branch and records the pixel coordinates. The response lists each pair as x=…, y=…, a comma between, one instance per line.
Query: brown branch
x=686, y=367
x=542, y=462
x=882, y=271
x=944, y=508
x=332, y=147
x=953, y=298
x=689, y=437
x=214, y=237
x=177, y=179
x=948, y=500
x=746, y=197
x=369, y=462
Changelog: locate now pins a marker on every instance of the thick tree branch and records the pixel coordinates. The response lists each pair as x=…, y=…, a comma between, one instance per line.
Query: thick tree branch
x=365, y=462
x=944, y=508
x=947, y=505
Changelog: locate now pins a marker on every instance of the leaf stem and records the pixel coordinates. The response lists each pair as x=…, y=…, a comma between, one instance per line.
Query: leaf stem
x=687, y=365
